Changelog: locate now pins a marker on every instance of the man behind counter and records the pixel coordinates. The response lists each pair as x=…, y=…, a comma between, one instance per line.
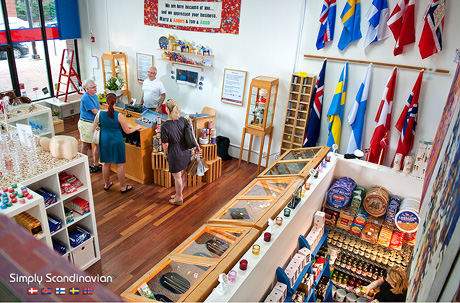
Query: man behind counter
x=154, y=92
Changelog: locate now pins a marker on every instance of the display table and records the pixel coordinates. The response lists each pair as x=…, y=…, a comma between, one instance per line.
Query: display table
x=69, y=108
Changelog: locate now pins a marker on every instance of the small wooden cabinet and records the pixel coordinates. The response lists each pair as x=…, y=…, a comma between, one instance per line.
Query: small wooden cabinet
x=298, y=111
x=114, y=64
x=261, y=110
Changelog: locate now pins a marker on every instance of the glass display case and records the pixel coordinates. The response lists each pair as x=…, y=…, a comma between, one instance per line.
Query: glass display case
x=114, y=64
x=262, y=101
x=297, y=162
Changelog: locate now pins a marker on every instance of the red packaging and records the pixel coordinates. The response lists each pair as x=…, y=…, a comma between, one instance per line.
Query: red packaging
x=396, y=240
x=80, y=205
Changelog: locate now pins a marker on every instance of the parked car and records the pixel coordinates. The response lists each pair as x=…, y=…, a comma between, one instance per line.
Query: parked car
x=19, y=50
x=15, y=23
x=51, y=23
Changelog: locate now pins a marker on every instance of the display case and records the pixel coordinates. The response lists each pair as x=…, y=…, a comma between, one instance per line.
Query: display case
x=296, y=162
x=298, y=111
x=262, y=101
x=114, y=64
x=35, y=115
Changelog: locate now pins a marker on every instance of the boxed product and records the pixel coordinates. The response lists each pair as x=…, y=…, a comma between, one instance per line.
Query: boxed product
x=397, y=240
x=361, y=217
x=54, y=223
x=49, y=197
x=290, y=273
x=282, y=288
x=344, y=223
x=330, y=216
x=346, y=214
x=68, y=215
x=297, y=265
x=29, y=223
x=298, y=296
x=356, y=228
x=80, y=205
x=276, y=295
x=307, y=253
x=300, y=258
x=385, y=236
x=319, y=219
x=78, y=236
x=58, y=246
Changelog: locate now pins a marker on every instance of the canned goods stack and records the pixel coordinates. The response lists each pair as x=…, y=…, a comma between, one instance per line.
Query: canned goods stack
x=340, y=193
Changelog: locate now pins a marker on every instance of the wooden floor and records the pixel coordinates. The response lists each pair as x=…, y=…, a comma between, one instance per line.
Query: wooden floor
x=137, y=229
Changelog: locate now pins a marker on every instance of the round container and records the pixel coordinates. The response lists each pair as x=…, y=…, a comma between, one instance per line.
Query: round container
x=334, y=291
x=397, y=162
x=334, y=242
x=376, y=201
x=243, y=264
x=287, y=212
x=407, y=221
x=340, y=193
x=231, y=276
x=340, y=295
x=361, y=299
x=279, y=221
x=351, y=297
x=408, y=161
x=255, y=249
x=267, y=236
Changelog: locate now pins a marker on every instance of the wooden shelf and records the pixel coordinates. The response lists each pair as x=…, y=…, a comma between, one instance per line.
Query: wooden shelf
x=184, y=53
x=193, y=65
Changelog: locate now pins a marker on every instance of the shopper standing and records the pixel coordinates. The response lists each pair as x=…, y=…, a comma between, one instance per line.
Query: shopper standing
x=393, y=288
x=112, y=144
x=175, y=150
x=89, y=106
x=153, y=91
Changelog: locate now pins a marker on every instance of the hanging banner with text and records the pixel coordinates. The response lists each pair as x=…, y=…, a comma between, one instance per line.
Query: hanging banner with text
x=219, y=16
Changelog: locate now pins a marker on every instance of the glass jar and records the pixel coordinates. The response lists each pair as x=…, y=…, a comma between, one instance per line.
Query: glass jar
x=367, y=255
x=359, y=269
x=373, y=256
x=354, y=266
x=356, y=250
x=385, y=261
x=379, y=259
x=339, y=244
x=350, y=247
x=349, y=264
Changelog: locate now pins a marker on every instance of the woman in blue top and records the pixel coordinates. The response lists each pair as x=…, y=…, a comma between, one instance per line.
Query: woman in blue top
x=89, y=106
x=112, y=145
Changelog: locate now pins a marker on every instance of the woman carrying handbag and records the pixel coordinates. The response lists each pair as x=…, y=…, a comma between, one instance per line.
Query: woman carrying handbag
x=175, y=149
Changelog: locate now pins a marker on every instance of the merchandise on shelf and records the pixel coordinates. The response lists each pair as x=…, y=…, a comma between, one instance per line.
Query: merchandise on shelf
x=78, y=236
x=54, y=223
x=68, y=215
x=68, y=183
x=49, y=197
x=80, y=205
x=340, y=193
x=29, y=223
x=59, y=247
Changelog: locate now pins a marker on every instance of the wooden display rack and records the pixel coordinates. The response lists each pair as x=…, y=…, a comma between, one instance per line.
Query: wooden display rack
x=214, y=170
x=208, y=151
x=297, y=112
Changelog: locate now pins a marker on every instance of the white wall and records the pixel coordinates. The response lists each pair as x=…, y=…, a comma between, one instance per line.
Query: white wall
x=267, y=45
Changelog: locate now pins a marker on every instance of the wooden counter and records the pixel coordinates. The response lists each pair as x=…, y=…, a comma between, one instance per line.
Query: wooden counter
x=138, y=166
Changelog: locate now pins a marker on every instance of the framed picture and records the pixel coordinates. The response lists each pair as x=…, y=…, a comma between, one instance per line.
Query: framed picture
x=233, y=86
x=144, y=62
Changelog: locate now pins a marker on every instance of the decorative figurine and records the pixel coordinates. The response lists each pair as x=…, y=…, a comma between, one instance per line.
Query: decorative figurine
x=223, y=285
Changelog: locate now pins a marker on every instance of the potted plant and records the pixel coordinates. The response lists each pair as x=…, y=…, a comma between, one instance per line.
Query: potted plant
x=55, y=113
x=114, y=85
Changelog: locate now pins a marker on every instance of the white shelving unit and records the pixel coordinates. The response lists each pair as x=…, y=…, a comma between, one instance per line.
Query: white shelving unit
x=40, y=115
x=87, y=253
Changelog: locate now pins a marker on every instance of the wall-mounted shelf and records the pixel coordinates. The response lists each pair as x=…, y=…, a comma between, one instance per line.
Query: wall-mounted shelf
x=187, y=64
x=184, y=53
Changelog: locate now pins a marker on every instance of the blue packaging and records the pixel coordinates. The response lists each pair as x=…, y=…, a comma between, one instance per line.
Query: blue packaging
x=78, y=236
x=54, y=223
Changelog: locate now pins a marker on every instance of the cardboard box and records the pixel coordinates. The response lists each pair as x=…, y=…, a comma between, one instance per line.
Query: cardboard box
x=319, y=218
x=281, y=287
x=58, y=126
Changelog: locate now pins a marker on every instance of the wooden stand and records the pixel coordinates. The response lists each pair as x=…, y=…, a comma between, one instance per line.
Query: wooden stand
x=259, y=133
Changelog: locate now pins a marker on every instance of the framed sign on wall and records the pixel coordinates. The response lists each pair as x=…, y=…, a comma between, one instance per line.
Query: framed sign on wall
x=233, y=86
x=144, y=62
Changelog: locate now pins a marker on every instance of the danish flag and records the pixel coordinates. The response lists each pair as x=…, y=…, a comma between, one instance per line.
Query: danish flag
x=32, y=291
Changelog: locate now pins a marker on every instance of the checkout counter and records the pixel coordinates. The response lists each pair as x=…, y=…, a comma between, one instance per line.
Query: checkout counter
x=138, y=166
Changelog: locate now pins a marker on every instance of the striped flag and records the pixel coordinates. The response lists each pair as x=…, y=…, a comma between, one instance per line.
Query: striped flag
x=402, y=24
x=408, y=120
x=335, y=112
x=377, y=15
x=312, y=130
x=431, y=40
x=327, y=19
x=381, y=132
x=351, y=18
x=46, y=291
x=32, y=291
x=357, y=114
x=60, y=291
x=88, y=290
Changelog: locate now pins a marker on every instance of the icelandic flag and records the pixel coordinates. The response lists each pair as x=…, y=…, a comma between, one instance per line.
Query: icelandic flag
x=312, y=130
x=327, y=19
x=46, y=291
x=357, y=114
x=351, y=18
x=402, y=24
x=379, y=139
x=60, y=291
x=431, y=40
x=377, y=15
x=335, y=112
x=88, y=290
x=408, y=120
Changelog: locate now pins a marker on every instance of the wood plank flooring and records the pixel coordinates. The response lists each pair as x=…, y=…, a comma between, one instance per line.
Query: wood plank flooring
x=138, y=229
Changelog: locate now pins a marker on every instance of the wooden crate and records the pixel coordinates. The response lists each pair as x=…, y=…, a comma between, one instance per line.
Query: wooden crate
x=162, y=177
x=159, y=161
x=58, y=126
x=214, y=171
x=194, y=180
x=209, y=151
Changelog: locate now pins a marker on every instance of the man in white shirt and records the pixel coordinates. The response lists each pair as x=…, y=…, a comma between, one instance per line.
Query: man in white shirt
x=154, y=92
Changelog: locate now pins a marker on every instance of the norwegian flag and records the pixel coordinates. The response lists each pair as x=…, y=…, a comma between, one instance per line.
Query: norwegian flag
x=408, y=120
x=46, y=291
x=88, y=290
x=431, y=40
x=327, y=19
x=383, y=119
x=316, y=107
x=402, y=24
x=32, y=291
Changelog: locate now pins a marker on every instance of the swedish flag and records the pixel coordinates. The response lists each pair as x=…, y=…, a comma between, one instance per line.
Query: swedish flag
x=351, y=19
x=335, y=112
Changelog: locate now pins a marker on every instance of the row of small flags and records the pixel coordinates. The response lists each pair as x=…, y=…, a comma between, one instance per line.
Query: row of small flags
x=401, y=23
x=60, y=291
x=406, y=124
